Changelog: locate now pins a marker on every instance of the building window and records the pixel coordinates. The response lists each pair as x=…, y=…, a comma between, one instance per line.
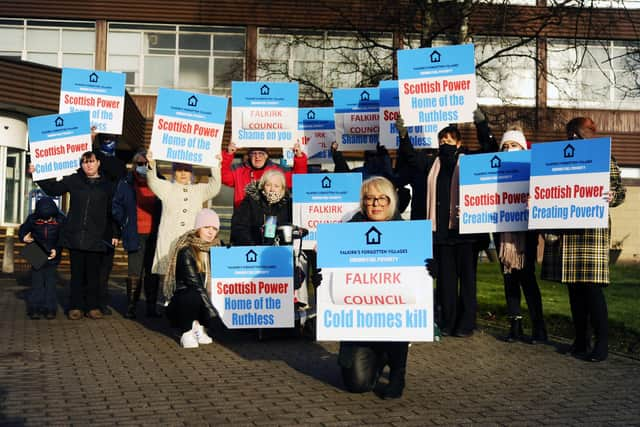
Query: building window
x=599, y=4
x=14, y=186
x=508, y=77
x=201, y=59
x=594, y=74
x=322, y=60
x=54, y=43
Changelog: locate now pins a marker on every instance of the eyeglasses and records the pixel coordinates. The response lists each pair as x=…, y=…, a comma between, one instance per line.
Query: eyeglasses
x=382, y=201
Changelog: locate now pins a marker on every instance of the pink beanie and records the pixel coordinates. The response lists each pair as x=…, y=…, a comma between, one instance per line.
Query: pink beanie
x=207, y=218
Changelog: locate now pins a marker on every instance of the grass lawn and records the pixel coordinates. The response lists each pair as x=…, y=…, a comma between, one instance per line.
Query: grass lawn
x=623, y=301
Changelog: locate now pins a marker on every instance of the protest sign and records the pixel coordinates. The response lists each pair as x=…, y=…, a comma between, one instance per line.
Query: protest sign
x=324, y=198
x=437, y=85
x=375, y=286
x=494, y=189
x=188, y=127
x=99, y=92
x=56, y=143
x=357, y=118
x=252, y=286
x=569, y=184
x=424, y=136
x=316, y=133
x=264, y=114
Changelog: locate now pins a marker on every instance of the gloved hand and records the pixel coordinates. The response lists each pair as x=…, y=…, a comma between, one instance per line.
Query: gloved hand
x=402, y=129
x=316, y=278
x=478, y=116
x=432, y=267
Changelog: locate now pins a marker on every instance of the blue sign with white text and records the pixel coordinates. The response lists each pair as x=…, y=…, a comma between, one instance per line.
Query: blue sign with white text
x=495, y=167
x=571, y=157
x=191, y=106
x=252, y=261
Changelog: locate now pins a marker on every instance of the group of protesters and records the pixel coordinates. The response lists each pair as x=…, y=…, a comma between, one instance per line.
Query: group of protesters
x=167, y=234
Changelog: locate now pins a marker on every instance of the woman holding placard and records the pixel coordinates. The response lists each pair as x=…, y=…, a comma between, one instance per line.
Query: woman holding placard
x=362, y=362
x=580, y=258
x=517, y=252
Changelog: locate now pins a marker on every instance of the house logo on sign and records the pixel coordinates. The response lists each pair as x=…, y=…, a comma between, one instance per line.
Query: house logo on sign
x=93, y=78
x=251, y=256
x=59, y=122
x=192, y=101
x=326, y=182
x=435, y=56
x=364, y=96
x=373, y=236
x=569, y=151
x=311, y=115
x=264, y=90
x=496, y=162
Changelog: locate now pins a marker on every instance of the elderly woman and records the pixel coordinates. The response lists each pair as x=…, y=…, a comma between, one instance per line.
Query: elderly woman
x=517, y=252
x=188, y=280
x=580, y=259
x=181, y=201
x=266, y=205
x=362, y=362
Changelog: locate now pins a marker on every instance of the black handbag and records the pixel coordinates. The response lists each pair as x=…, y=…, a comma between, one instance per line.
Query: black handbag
x=35, y=254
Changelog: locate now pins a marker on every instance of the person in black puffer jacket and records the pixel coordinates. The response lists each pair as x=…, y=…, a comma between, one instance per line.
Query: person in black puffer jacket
x=188, y=281
x=43, y=226
x=267, y=198
x=88, y=232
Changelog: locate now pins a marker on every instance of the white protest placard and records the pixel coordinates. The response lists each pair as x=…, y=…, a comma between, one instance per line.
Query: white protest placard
x=188, y=127
x=357, y=118
x=494, y=189
x=324, y=198
x=99, y=92
x=56, y=143
x=264, y=114
x=424, y=136
x=375, y=286
x=437, y=85
x=569, y=184
x=252, y=286
x=316, y=133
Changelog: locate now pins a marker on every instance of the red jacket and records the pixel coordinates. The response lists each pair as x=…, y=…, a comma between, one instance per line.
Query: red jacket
x=244, y=174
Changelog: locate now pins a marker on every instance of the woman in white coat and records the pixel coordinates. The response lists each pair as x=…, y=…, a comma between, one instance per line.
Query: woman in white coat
x=181, y=202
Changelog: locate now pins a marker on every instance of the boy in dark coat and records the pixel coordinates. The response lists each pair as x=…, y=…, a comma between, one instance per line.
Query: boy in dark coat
x=43, y=226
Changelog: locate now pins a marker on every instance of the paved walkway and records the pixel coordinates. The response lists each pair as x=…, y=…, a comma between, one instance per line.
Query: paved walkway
x=120, y=372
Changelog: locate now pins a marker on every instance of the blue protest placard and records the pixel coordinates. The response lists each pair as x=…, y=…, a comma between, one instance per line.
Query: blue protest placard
x=188, y=127
x=99, y=92
x=357, y=115
x=264, y=114
x=56, y=143
x=324, y=198
x=494, y=190
x=425, y=136
x=569, y=184
x=252, y=286
x=375, y=286
x=316, y=133
x=437, y=85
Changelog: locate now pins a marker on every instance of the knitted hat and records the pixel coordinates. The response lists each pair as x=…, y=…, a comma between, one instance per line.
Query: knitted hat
x=207, y=218
x=514, y=136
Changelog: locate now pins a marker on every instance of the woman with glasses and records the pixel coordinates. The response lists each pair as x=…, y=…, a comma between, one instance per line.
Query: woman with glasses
x=87, y=232
x=362, y=362
x=137, y=211
x=181, y=199
x=251, y=170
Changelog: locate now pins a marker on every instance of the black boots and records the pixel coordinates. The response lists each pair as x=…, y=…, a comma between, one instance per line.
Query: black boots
x=397, y=354
x=515, y=331
x=151, y=284
x=133, y=295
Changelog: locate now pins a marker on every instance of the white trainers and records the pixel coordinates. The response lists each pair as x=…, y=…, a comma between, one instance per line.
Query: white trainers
x=200, y=333
x=189, y=340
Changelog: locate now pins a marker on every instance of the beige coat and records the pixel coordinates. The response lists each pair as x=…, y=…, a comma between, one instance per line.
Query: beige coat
x=180, y=205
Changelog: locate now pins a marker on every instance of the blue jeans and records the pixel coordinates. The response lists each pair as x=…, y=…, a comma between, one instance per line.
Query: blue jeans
x=42, y=297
